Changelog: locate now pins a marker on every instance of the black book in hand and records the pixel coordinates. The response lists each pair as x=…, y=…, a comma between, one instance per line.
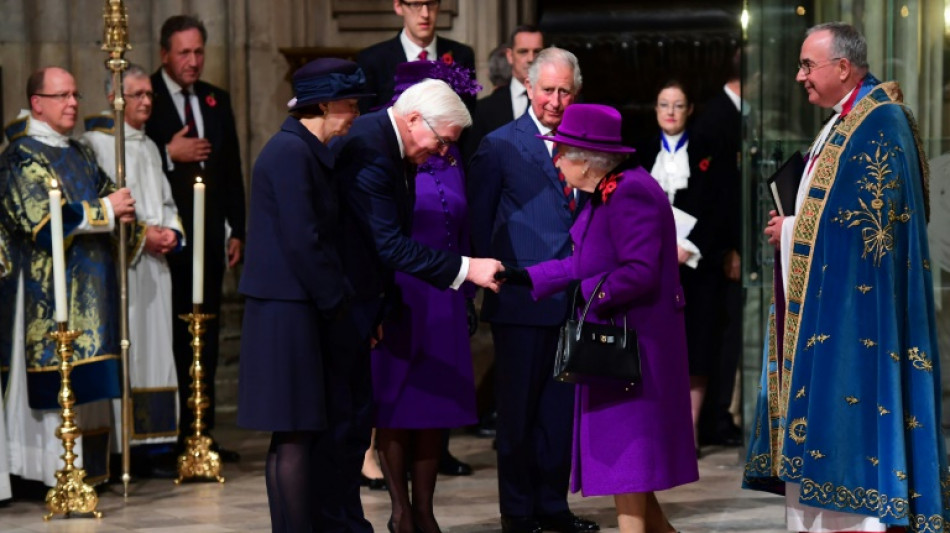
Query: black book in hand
x=784, y=184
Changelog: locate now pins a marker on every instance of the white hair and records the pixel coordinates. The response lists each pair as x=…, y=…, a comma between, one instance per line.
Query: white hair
x=436, y=102
x=605, y=161
x=132, y=71
x=555, y=55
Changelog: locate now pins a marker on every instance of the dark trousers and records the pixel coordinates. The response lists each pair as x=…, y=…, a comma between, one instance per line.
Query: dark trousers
x=340, y=449
x=535, y=421
x=715, y=417
x=181, y=340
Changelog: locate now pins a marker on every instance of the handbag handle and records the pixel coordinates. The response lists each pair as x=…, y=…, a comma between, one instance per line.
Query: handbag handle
x=580, y=324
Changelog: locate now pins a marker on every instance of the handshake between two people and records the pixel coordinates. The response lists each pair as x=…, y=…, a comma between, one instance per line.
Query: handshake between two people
x=491, y=274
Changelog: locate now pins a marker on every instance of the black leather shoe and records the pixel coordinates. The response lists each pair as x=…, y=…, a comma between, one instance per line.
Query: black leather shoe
x=450, y=466
x=374, y=483
x=486, y=427
x=519, y=524
x=567, y=522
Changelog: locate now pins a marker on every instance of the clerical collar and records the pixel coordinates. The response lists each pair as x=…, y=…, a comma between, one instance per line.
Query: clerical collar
x=412, y=49
x=679, y=140
x=844, y=106
x=392, y=119
x=43, y=132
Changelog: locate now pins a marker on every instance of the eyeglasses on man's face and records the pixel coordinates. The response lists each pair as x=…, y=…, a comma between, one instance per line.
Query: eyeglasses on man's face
x=60, y=97
x=443, y=143
x=417, y=6
x=807, y=65
x=140, y=95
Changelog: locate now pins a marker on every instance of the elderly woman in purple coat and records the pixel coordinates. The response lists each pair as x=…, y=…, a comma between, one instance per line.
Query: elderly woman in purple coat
x=628, y=443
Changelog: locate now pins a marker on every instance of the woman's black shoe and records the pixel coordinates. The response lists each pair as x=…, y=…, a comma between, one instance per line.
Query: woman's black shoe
x=374, y=483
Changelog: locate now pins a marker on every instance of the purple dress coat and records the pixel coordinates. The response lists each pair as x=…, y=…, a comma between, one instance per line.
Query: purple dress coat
x=422, y=369
x=640, y=440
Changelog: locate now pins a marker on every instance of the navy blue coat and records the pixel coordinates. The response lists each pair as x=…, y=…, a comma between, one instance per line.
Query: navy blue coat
x=519, y=216
x=291, y=249
x=292, y=277
x=377, y=187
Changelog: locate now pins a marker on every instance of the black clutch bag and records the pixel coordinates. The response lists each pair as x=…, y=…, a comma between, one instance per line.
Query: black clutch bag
x=597, y=354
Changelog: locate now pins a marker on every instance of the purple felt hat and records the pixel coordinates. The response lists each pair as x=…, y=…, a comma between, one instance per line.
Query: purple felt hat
x=592, y=127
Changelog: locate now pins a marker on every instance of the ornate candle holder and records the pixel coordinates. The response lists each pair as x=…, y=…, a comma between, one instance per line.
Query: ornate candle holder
x=71, y=493
x=198, y=460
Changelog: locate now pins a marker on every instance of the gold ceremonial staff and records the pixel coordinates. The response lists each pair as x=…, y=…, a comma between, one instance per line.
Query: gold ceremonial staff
x=116, y=41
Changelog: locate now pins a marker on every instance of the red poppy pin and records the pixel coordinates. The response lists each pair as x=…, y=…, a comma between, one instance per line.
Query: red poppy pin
x=608, y=186
x=447, y=58
x=210, y=100
x=704, y=164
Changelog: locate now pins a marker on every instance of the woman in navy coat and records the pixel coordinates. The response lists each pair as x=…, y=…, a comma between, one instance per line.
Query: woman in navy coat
x=293, y=281
x=628, y=441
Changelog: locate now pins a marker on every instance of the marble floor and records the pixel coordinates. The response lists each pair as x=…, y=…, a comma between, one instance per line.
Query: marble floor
x=464, y=504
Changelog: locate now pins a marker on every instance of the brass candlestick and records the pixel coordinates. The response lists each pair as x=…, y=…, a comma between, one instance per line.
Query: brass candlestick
x=198, y=460
x=71, y=494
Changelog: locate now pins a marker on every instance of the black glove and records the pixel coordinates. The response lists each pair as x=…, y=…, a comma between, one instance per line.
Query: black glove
x=472, y=316
x=514, y=276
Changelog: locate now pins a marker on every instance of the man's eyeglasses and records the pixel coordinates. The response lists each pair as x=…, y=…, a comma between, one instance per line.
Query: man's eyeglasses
x=443, y=144
x=417, y=6
x=62, y=97
x=140, y=95
x=808, y=65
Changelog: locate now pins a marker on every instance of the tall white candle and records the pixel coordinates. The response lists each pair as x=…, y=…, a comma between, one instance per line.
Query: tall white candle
x=198, y=244
x=59, y=257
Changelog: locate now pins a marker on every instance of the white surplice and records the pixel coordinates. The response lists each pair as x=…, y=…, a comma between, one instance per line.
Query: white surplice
x=152, y=367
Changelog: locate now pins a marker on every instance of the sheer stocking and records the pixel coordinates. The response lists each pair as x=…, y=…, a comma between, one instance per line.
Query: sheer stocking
x=392, y=445
x=287, y=474
x=427, y=450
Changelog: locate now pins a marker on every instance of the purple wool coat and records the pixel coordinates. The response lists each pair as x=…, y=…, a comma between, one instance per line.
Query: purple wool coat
x=641, y=440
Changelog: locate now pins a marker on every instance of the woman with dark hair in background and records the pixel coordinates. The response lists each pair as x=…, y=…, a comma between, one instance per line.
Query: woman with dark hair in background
x=683, y=163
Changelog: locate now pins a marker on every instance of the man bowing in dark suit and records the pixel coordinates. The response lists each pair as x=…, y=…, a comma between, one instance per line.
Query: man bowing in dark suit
x=416, y=40
x=193, y=125
x=522, y=213
x=375, y=173
x=507, y=102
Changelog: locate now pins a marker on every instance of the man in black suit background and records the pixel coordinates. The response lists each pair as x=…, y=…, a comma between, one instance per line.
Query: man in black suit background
x=508, y=102
x=417, y=40
x=193, y=125
x=722, y=120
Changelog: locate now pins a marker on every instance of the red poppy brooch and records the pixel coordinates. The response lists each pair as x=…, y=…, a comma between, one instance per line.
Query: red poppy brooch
x=607, y=186
x=447, y=58
x=704, y=164
x=210, y=100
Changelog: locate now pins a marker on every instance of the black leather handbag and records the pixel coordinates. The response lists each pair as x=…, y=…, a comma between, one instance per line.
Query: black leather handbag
x=597, y=354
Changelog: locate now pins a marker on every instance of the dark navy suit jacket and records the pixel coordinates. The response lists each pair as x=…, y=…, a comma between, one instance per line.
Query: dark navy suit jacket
x=519, y=216
x=294, y=222
x=379, y=64
x=377, y=187
x=491, y=113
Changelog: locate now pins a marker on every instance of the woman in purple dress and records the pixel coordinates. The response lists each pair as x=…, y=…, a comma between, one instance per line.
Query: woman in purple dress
x=628, y=443
x=422, y=367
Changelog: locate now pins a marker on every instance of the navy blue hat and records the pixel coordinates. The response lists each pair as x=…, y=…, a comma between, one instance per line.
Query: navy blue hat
x=326, y=80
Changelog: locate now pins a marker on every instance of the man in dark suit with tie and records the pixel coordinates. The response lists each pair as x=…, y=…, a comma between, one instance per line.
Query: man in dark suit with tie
x=375, y=170
x=522, y=212
x=417, y=40
x=722, y=120
x=193, y=125
x=507, y=102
